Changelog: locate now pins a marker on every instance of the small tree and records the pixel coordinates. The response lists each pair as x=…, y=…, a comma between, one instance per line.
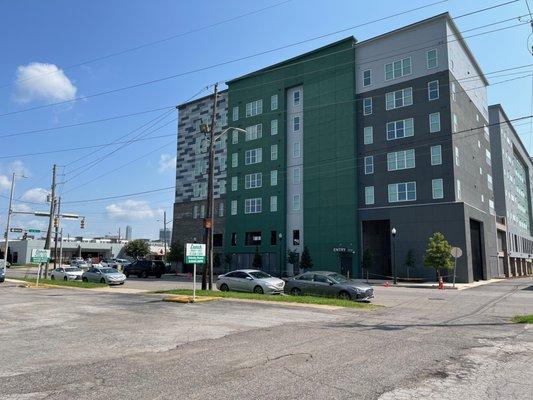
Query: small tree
x=257, y=263
x=367, y=259
x=175, y=254
x=227, y=260
x=409, y=260
x=137, y=248
x=438, y=253
x=306, y=262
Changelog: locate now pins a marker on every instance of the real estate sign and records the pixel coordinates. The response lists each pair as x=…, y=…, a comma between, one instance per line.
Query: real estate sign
x=195, y=253
x=40, y=255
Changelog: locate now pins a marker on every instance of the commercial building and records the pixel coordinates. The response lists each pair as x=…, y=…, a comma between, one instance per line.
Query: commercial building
x=129, y=232
x=165, y=235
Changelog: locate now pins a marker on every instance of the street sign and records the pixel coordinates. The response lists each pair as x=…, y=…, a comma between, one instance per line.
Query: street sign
x=195, y=253
x=18, y=230
x=40, y=255
x=456, y=252
x=31, y=230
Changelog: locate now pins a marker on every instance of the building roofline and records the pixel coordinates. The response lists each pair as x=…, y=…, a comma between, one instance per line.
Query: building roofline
x=499, y=107
x=182, y=105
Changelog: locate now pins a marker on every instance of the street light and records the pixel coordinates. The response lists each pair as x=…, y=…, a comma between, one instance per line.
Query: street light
x=280, y=236
x=8, y=219
x=393, y=233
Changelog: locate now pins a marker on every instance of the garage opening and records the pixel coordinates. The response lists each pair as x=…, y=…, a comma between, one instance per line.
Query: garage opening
x=376, y=238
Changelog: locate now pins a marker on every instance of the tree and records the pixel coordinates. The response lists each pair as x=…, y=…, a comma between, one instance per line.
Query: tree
x=438, y=254
x=175, y=254
x=257, y=263
x=409, y=260
x=137, y=248
x=367, y=259
x=306, y=262
x=227, y=260
x=292, y=257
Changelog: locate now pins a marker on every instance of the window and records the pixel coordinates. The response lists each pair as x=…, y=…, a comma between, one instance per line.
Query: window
x=404, y=159
x=274, y=102
x=221, y=209
x=274, y=127
x=236, y=113
x=296, y=98
x=254, y=108
x=405, y=191
x=399, y=98
x=455, y=123
x=273, y=203
x=195, y=212
x=217, y=240
x=400, y=129
x=273, y=238
x=296, y=152
x=367, y=106
x=436, y=187
x=252, y=239
x=235, y=160
x=486, y=132
x=369, y=195
x=296, y=202
x=432, y=61
x=456, y=152
x=235, y=137
x=397, y=69
x=254, y=132
x=274, y=177
x=452, y=90
x=458, y=189
x=253, y=156
x=367, y=77
x=491, y=207
x=234, y=238
x=296, y=124
x=296, y=175
x=489, y=181
x=274, y=152
x=436, y=155
x=433, y=90
x=368, y=135
x=222, y=187
x=253, y=206
x=487, y=157
x=233, y=183
x=233, y=207
x=252, y=181
x=296, y=237
x=369, y=165
x=434, y=122
x=202, y=211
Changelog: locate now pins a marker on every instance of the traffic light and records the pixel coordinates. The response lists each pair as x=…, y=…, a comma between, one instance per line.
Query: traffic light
x=56, y=222
x=82, y=223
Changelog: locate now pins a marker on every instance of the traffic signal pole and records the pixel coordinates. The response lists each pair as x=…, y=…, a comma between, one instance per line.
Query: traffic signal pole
x=56, y=230
x=52, y=215
x=9, y=211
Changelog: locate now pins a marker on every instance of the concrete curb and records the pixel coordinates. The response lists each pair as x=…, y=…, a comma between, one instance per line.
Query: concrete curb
x=181, y=298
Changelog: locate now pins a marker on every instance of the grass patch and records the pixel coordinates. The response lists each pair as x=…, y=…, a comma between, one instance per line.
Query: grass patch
x=15, y=266
x=523, y=319
x=275, y=298
x=56, y=282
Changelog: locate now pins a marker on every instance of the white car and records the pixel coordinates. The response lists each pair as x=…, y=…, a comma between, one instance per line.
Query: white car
x=67, y=273
x=250, y=280
x=2, y=271
x=79, y=264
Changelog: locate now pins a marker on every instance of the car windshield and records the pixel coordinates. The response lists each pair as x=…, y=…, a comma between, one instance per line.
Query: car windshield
x=72, y=269
x=338, y=278
x=108, y=270
x=260, y=275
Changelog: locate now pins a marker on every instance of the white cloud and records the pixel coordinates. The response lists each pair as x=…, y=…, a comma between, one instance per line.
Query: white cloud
x=40, y=81
x=21, y=208
x=5, y=183
x=166, y=163
x=19, y=168
x=130, y=210
x=37, y=195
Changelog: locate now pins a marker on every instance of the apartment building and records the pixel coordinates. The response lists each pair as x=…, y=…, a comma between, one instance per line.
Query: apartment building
x=512, y=174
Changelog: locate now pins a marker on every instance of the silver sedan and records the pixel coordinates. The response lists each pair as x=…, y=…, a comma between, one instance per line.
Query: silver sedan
x=250, y=280
x=104, y=275
x=66, y=273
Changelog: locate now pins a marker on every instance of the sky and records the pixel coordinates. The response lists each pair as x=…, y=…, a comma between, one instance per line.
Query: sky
x=56, y=50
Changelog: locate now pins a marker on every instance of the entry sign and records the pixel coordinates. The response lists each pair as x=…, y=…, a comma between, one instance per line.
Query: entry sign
x=456, y=252
x=40, y=255
x=195, y=253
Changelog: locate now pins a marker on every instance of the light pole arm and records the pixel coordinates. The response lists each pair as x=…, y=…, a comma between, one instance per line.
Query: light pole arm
x=216, y=137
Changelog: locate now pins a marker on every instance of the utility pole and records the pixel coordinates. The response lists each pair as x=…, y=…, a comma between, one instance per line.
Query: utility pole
x=56, y=231
x=208, y=222
x=52, y=212
x=9, y=210
x=165, y=231
x=61, y=249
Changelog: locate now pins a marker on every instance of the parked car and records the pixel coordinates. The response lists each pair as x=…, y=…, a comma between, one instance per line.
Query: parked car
x=145, y=268
x=329, y=284
x=250, y=280
x=2, y=271
x=104, y=275
x=67, y=273
x=79, y=263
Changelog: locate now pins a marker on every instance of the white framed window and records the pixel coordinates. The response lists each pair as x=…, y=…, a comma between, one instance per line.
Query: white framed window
x=398, y=68
x=456, y=152
x=274, y=127
x=202, y=211
x=436, y=155
x=403, y=159
x=254, y=108
x=254, y=132
x=235, y=116
x=296, y=98
x=404, y=191
x=488, y=157
x=234, y=159
x=433, y=90
x=296, y=202
x=274, y=152
x=458, y=189
x=296, y=150
x=369, y=165
x=252, y=181
x=296, y=175
x=367, y=77
x=452, y=90
x=221, y=209
x=234, y=184
x=368, y=135
x=432, y=60
x=399, y=98
x=491, y=207
x=296, y=124
x=253, y=206
x=274, y=102
x=489, y=182
x=486, y=132
x=273, y=203
x=233, y=207
x=253, y=156
x=400, y=129
x=455, y=123
x=195, y=212
x=434, y=122
x=369, y=195
x=367, y=106
x=437, y=189
x=235, y=137
x=274, y=177
x=222, y=187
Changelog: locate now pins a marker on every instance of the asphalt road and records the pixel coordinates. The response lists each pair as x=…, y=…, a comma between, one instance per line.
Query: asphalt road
x=427, y=344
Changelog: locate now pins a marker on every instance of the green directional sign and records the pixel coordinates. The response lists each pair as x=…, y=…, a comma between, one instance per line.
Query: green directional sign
x=40, y=255
x=34, y=230
x=195, y=253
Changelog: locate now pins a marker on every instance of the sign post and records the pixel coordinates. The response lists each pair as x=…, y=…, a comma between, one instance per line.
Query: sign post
x=194, y=254
x=456, y=253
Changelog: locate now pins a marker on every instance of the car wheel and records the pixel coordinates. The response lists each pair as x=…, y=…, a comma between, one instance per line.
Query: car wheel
x=127, y=274
x=145, y=275
x=258, y=290
x=84, y=279
x=344, y=295
x=158, y=276
x=52, y=277
x=65, y=278
x=224, y=288
x=296, y=291
x=139, y=275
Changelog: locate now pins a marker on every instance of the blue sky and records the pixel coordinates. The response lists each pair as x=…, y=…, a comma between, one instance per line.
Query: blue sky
x=42, y=36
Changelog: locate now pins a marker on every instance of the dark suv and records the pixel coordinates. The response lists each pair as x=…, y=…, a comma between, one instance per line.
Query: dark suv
x=145, y=268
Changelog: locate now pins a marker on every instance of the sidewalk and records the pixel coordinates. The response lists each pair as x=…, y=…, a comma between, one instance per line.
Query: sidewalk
x=431, y=285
